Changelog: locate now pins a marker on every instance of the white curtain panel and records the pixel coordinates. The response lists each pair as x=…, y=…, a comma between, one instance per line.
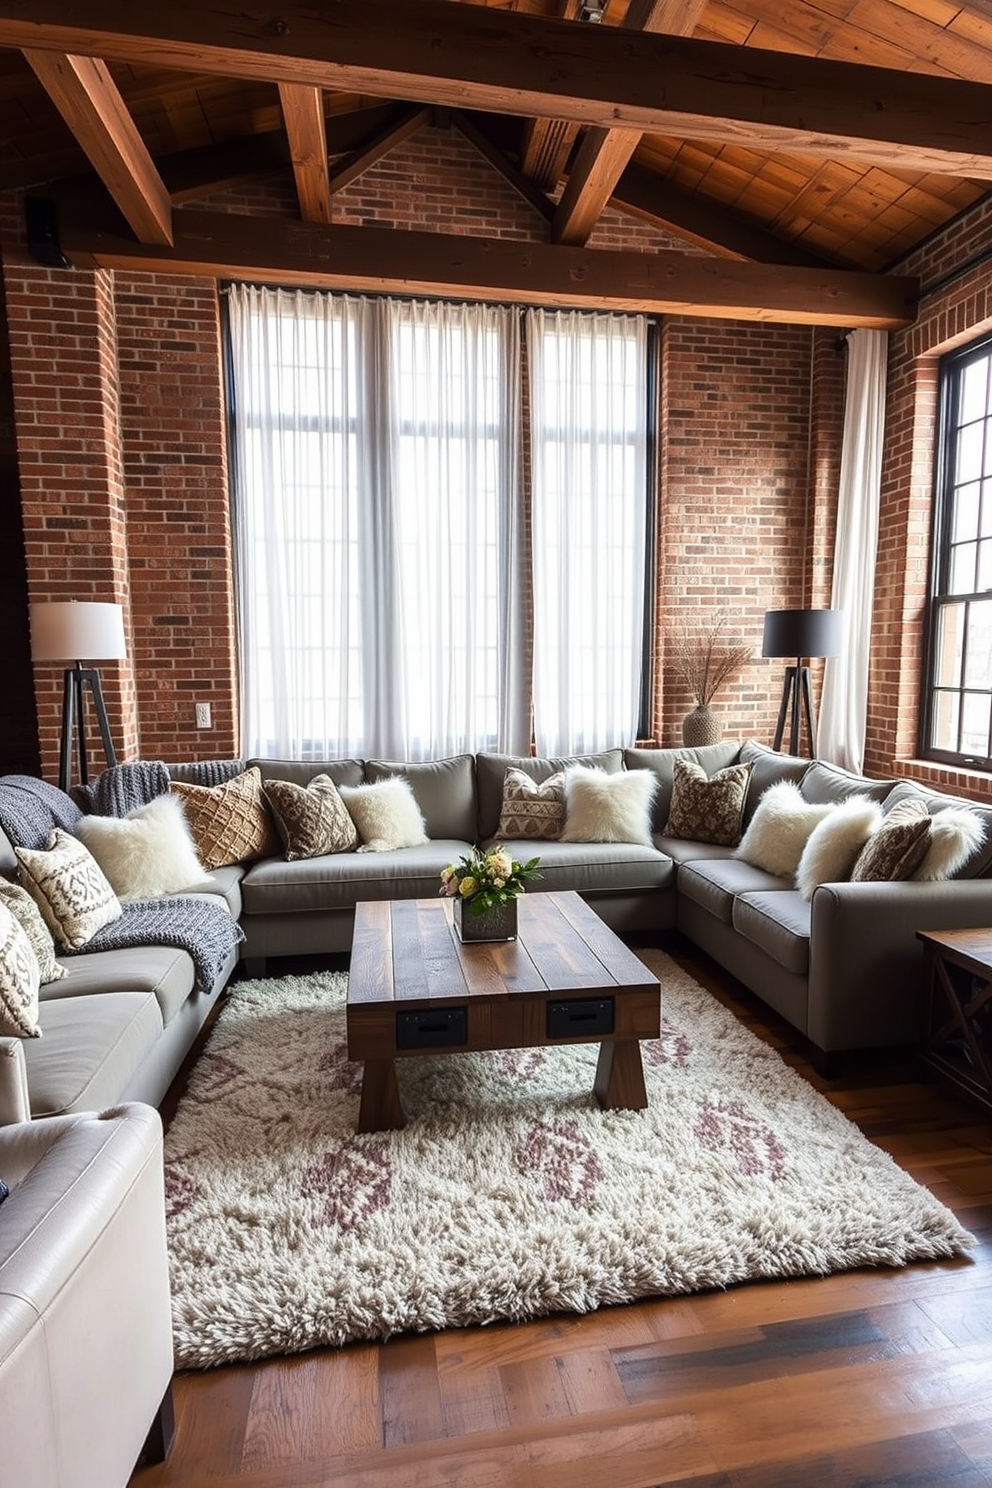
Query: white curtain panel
x=376, y=502
x=844, y=702
x=589, y=408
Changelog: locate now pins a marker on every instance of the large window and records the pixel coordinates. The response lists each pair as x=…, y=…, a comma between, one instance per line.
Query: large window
x=398, y=595
x=958, y=721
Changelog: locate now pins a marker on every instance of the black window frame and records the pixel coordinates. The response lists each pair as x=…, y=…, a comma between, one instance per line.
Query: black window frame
x=939, y=595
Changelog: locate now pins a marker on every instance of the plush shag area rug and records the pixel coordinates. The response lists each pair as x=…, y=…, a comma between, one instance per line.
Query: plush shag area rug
x=509, y=1194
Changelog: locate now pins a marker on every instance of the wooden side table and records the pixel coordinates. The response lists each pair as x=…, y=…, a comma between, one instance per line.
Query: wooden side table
x=957, y=1032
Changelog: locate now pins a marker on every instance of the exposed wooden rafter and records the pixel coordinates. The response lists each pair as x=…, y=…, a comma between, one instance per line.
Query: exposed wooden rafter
x=470, y=56
x=303, y=116
x=87, y=98
x=546, y=143
x=604, y=153
x=386, y=139
x=476, y=135
x=372, y=258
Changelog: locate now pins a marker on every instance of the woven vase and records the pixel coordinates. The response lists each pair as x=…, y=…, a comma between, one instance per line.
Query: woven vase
x=701, y=726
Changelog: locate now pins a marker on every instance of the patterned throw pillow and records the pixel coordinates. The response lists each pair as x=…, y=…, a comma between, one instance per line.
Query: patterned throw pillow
x=23, y=908
x=70, y=888
x=895, y=851
x=312, y=819
x=19, y=980
x=231, y=823
x=532, y=810
x=708, y=808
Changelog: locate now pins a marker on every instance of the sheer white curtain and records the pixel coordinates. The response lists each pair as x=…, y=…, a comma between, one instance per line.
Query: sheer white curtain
x=376, y=516
x=844, y=701
x=589, y=410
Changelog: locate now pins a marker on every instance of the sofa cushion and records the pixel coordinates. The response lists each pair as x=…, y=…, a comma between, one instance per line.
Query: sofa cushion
x=443, y=789
x=608, y=808
x=707, y=808
x=769, y=766
x=532, y=810
x=714, y=884
x=490, y=773
x=597, y=867
x=311, y=819
x=277, y=887
x=778, y=924
x=661, y=762
x=779, y=829
x=19, y=980
x=165, y=971
x=301, y=772
x=90, y=1050
x=823, y=782
x=230, y=823
x=70, y=888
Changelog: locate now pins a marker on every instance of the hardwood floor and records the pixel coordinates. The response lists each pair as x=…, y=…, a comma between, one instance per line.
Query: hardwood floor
x=865, y=1378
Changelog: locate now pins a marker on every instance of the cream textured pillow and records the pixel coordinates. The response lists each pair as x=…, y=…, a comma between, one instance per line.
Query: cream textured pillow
x=532, y=810
x=608, y=808
x=19, y=980
x=70, y=888
x=23, y=908
x=312, y=819
x=386, y=814
x=835, y=842
x=894, y=851
x=708, y=808
x=230, y=823
x=147, y=853
x=779, y=829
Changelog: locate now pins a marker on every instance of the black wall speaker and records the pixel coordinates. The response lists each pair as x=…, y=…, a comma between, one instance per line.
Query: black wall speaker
x=42, y=225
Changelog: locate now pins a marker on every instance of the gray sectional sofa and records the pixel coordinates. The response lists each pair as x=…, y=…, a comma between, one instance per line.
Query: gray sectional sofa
x=843, y=968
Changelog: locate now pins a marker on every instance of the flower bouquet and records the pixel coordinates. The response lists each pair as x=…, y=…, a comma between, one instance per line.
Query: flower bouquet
x=484, y=886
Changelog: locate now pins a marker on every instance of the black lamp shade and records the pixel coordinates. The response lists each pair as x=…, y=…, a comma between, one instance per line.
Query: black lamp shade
x=803, y=633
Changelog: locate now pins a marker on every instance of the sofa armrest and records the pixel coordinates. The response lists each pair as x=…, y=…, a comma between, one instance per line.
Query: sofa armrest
x=15, y=1104
x=866, y=963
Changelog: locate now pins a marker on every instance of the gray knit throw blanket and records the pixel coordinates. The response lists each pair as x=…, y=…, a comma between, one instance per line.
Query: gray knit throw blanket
x=123, y=788
x=30, y=809
x=200, y=926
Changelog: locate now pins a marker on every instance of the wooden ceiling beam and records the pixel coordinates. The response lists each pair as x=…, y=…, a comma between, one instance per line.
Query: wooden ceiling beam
x=303, y=116
x=709, y=224
x=88, y=99
x=470, y=56
x=386, y=139
x=604, y=153
x=278, y=250
x=546, y=143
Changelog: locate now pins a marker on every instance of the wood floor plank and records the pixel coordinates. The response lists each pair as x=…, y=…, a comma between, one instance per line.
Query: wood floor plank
x=879, y=1376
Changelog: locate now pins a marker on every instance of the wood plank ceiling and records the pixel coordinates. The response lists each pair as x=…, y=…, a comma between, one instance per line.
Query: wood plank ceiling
x=804, y=146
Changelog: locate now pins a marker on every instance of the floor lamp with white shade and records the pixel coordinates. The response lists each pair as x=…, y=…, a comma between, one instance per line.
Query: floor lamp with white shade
x=76, y=631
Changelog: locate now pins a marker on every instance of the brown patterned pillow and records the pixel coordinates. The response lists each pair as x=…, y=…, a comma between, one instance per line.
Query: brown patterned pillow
x=894, y=851
x=312, y=819
x=231, y=823
x=23, y=908
x=70, y=888
x=19, y=979
x=532, y=810
x=708, y=808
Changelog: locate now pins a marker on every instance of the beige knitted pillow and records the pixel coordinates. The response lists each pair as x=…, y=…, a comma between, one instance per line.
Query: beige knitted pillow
x=19, y=979
x=530, y=809
x=230, y=823
x=312, y=819
x=70, y=888
x=23, y=907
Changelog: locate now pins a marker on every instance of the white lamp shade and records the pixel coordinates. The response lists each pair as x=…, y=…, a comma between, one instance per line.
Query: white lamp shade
x=77, y=630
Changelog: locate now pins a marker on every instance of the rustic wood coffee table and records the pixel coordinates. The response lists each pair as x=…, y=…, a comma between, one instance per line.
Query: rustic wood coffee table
x=413, y=988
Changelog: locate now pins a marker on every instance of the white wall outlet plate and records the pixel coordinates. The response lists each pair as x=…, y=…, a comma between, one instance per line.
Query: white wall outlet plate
x=202, y=715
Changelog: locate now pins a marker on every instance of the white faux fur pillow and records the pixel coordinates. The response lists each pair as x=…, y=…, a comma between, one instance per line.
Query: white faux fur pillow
x=835, y=842
x=608, y=808
x=386, y=814
x=148, y=853
x=955, y=835
x=779, y=829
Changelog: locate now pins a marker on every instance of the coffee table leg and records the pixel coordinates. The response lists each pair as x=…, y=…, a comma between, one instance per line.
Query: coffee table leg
x=620, y=1077
x=380, y=1109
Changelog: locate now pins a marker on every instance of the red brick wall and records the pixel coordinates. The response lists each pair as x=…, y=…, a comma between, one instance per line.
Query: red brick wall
x=120, y=428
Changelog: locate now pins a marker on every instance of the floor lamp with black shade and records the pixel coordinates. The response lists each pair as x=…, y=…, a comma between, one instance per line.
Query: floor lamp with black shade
x=76, y=631
x=802, y=634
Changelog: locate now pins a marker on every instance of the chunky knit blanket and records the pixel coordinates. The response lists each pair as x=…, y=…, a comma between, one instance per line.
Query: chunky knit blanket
x=123, y=788
x=30, y=809
x=200, y=926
